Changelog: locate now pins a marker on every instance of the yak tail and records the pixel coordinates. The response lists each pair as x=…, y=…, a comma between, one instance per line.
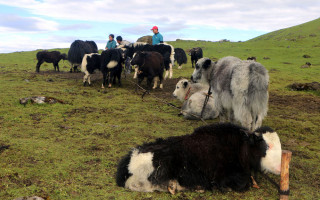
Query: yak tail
x=258, y=95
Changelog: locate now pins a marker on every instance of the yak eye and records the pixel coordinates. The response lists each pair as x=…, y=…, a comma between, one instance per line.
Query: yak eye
x=197, y=66
x=177, y=87
x=268, y=147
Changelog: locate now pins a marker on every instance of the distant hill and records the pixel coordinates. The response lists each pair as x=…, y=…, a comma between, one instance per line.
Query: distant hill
x=308, y=32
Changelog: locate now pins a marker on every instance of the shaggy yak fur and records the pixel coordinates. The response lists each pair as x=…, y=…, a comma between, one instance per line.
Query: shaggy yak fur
x=111, y=66
x=192, y=108
x=180, y=56
x=193, y=96
x=53, y=57
x=239, y=88
x=166, y=50
x=196, y=54
x=150, y=65
x=218, y=156
x=78, y=49
x=185, y=89
x=90, y=63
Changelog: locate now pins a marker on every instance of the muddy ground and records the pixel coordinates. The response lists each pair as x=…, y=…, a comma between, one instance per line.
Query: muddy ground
x=304, y=102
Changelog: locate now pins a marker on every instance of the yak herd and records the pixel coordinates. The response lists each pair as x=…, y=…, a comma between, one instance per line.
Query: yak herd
x=218, y=156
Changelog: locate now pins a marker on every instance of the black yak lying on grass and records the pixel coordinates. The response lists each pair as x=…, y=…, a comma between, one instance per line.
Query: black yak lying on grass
x=78, y=49
x=53, y=57
x=218, y=156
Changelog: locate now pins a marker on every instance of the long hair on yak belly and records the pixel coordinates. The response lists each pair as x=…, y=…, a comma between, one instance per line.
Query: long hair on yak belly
x=79, y=48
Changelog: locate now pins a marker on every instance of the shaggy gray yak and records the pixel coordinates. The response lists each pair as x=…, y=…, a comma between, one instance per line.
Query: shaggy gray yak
x=239, y=88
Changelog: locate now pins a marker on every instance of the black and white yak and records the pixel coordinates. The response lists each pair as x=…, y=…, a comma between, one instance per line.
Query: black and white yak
x=111, y=66
x=239, y=88
x=166, y=50
x=53, y=57
x=195, y=53
x=151, y=66
x=218, y=156
x=89, y=64
x=180, y=56
x=78, y=49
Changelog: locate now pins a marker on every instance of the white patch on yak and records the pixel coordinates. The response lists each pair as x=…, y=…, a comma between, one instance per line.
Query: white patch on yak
x=112, y=64
x=135, y=72
x=140, y=166
x=139, y=43
x=170, y=70
x=135, y=68
x=272, y=161
x=84, y=63
x=166, y=75
x=155, y=82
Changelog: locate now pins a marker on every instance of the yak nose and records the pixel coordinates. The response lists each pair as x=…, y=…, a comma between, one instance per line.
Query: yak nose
x=191, y=78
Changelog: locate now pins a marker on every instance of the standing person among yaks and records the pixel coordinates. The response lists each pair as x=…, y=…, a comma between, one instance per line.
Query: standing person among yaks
x=122, y=42
x=111, y=44
x=157, y=37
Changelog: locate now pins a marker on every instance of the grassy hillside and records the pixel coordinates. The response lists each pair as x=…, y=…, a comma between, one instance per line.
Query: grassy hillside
x=70, y=151
x=303, y=35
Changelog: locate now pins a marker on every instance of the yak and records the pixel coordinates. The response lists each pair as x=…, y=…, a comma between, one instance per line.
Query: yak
x=218, y=156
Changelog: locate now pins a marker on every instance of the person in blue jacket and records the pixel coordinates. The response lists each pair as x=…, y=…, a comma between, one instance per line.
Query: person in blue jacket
x=111, y=44
x=157, y=37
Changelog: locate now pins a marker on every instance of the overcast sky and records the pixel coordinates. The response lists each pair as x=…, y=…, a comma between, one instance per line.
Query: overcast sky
x=44, y=24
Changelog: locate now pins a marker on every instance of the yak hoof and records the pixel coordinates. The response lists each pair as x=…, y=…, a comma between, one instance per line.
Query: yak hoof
x=172, y=187
x=161, y=86
x=254, y=183
x=180, y=67
x=109, y=86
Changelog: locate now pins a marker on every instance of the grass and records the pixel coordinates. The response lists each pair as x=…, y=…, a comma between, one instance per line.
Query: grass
x=70, y=151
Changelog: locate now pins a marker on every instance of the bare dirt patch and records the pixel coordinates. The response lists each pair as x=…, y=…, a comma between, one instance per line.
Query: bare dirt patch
x=309, y=104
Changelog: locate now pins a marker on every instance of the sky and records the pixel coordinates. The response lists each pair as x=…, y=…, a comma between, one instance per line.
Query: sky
x=45, y=24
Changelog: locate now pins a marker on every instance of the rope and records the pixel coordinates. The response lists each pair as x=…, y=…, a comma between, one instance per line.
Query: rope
x=167, y=103
x=206, y=99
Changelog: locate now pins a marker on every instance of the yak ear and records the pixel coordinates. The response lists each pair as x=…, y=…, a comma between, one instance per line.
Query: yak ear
x=185, y=84
x=206, y=64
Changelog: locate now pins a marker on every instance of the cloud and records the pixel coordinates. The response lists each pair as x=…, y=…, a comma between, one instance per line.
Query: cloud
x=12, y=23
x=93, y=20
x=239, y=14
x=73, y=27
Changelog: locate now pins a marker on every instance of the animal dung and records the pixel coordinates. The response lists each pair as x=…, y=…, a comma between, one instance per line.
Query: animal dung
x=307, y=65
x=40, y=100
x=315, y=86
x=306, y=56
